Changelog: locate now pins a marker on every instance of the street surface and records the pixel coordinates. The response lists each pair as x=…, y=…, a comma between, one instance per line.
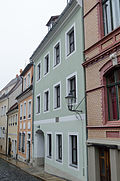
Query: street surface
x=10, y=172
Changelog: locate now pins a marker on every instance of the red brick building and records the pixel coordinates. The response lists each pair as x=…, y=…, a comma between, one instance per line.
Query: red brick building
x=102, y=67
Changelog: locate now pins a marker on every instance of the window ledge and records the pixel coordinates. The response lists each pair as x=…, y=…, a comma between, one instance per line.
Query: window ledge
x=58, y=160
x=50, y=157
x=73, y=165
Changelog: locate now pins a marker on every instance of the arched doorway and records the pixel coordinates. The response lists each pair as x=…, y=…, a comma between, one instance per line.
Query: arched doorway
x=40, y=147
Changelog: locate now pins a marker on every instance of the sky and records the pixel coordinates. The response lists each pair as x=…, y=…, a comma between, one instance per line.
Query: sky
x=22, y=28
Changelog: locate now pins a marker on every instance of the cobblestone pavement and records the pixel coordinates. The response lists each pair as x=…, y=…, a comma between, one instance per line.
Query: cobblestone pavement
x=10, y=172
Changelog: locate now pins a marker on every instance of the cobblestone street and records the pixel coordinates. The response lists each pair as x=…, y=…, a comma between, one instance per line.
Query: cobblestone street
x=9, y=172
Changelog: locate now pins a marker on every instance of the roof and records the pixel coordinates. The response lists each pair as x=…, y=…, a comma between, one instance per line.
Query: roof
x=12, y=82
x=12, y=108
x=60, y=19
x=25, y=92
x=52, y=19
x=26, y=68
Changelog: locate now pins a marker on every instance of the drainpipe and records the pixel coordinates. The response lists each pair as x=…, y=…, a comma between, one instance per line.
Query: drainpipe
x=33, y=111
x=85, y=84
x=7, y=129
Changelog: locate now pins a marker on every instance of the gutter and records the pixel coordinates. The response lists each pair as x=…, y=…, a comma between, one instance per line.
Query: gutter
x=7, y=130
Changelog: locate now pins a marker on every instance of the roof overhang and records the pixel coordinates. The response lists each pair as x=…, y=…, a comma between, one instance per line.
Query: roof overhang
x=79, y=2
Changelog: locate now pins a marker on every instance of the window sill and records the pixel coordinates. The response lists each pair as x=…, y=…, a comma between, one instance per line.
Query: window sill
x=58, y=160
x=50, y=157
x=74, y=166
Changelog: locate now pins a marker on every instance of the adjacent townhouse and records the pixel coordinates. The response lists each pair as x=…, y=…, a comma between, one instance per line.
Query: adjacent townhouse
x=60, y=127
x=102, y=67
x=5, y=103
x=24, y=137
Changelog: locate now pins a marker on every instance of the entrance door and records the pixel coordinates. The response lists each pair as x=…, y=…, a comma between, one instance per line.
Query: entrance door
x=104, y=157
x=28, y=151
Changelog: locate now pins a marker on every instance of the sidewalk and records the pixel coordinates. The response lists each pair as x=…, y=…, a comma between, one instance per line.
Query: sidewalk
x=35, y=171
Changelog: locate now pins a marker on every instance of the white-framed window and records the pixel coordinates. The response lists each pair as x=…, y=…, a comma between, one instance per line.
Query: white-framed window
x=9, y=120
x=59, y=147
x=70, y=41
x=38, y=71
x=23, y=142
x=57, y=54
x=24, y=117
x=73, y=150
x=21, y=111
x=25, y=83
x=4, y=111
x=29, y=109
x=13, y=120
x=49, y=145
x=57, y=95
x=28, y=79
x=46, y=100
x=20, y=141
x=71, y=85
x=16, y=119
x=47, y=64
x=38, y=100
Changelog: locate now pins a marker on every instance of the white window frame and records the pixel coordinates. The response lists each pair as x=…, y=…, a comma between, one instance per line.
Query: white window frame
x=44, y=103
x=54, y=96
x=24, y=143
x=16, y=119
x=39, y=63
x=28, y=83
x=54, y=54
x=56, y=147
x=67, y=53
x=37, y=104
x=29, y=111
x=21, y=111
x=70, y=165
x=25, y=111
x=25, y=85
x=68, y=86
x=47, y=148
x=4, y=110
x=44, y=65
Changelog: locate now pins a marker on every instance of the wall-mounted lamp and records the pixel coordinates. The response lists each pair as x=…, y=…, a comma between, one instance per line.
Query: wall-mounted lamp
x=71, y=100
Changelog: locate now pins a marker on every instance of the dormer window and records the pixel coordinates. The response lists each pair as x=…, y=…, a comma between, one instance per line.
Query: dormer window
x=51, y=22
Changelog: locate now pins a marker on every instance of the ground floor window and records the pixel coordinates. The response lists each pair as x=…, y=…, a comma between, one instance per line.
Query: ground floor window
x=59, y=147
x=49, y=145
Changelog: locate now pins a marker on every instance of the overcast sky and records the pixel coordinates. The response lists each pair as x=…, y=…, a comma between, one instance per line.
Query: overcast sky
x=22, y=27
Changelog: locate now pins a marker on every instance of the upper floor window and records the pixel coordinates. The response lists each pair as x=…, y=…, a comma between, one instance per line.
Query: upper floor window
x=113, y=91
x=39, y=71
x=56, y=96
x=28, y=79
x=111, y=15
x=38, y=104
x=24, y=110
x=25, y=85
x=46, y=101
x=21, y=107
x=70, y=36
x=57, y=54
x=46, y=64
x=29, y=109
x=72, y=86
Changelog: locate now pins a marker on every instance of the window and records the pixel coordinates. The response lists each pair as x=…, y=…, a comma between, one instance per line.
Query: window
x=59, y=147
x=57, y=54
x=72, y=86
x=57, y=96
x=73, y=150
x=38, y=105
x=19, y=146
x=113, y=91
x=49, y=145
x=111, y=15
x=29, y=109
x=39, y=71
x=21, y=107
x=46, y=64
x=23, y=142
x=25, y=83
x=13, y=120
x=4, y=111
x=24, y=110
x=46, y=101
x=28, y=79
x=16, y=119
x=70, y=36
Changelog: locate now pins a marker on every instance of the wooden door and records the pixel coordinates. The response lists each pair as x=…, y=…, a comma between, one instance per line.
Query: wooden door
x=104, y=158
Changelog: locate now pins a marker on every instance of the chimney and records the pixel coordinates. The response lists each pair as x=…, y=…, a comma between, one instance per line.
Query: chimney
x=20, y=71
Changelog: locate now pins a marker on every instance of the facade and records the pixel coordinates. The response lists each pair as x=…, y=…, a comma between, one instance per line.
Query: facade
x=102, y=67
x=24, y=137
x=5, y=103
x=12, y=115
x=60, y=135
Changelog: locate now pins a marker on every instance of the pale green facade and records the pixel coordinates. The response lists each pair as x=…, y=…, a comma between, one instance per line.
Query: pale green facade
x=61, y=121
